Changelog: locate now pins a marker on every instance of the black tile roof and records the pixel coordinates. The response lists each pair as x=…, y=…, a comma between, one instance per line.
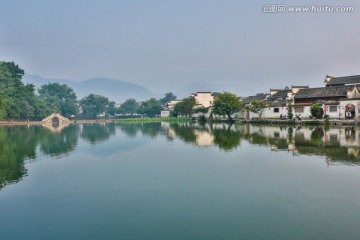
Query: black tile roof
x=278, y=103
x=344, y=80
x=279, y=95
x=324, y=92
x=259, y=96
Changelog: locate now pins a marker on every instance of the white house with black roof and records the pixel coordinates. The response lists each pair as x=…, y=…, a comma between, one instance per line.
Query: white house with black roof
x=340, y=98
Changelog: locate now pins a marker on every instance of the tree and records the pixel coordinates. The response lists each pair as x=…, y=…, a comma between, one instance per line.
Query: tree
x=59, y=98
x=151, y=107
x=227, y=104
x=258, y=106
x=185, y=107
x=18, y=99
x=315, y=110
x=202, y=110
x=93, y=105
x=216, y=94
x=167, y=98
x=130, y=106
x=290, y=114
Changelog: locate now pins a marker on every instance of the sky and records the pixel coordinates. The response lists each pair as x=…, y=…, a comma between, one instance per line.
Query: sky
x=166, y=45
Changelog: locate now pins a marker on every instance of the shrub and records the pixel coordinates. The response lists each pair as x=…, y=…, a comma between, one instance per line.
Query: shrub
x=315, y=110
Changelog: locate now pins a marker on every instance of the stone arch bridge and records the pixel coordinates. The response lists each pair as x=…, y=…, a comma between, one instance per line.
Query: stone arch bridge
x=56, y=117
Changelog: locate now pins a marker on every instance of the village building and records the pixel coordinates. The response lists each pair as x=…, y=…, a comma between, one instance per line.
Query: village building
x=168, y=107
x=277, y=101
x=203, y=99
x=339, y=99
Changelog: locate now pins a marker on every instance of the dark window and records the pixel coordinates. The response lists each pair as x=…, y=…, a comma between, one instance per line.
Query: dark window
x=333, y=108
x=299, y=109
x=276, y=110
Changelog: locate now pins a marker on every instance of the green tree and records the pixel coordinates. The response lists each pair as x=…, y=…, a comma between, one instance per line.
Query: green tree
x=18, y=99
x=167, y=98
x=315, y=110
x=216, y=94
x=93, y=105
x=258, y=106
x=202, y=110
x=59, y=98
x=130, y=106
x=185, y=107
x=290, y=114
x=227, y=104
x=151, y=107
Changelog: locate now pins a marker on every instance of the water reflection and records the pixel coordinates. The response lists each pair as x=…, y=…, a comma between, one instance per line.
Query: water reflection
x=59, y=143
x=337, y=145
x=97, y=132
x=19, y=143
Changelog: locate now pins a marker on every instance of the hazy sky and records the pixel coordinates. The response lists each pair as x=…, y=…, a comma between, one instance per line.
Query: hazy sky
x=165, y=45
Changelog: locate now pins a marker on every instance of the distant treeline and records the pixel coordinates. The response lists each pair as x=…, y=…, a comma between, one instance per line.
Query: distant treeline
x=19, y=101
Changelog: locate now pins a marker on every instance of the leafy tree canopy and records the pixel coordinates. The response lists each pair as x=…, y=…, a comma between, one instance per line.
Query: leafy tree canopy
x=227, y=104
x=130, y=106
x=18, y=100
x=315, y=110
x=290, y=114
x=167, y=98
x=185, y=107
x=258, y=106
x=93, y=105
x=151, y=107
x=59, y=98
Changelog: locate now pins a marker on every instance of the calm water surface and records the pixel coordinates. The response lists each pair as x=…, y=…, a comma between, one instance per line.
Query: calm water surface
x=186, y=181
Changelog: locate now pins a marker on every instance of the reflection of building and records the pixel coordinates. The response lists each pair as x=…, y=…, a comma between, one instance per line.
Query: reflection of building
x=203, y=138
x=335, y=144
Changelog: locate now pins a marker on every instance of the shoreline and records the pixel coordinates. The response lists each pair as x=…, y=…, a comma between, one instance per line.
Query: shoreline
x=15, y=123
x=336, y=122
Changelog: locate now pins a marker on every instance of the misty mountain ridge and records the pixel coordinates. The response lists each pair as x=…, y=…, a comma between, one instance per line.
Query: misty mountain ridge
x=113, y=89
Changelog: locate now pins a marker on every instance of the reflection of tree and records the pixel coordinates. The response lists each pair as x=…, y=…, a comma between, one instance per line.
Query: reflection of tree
x=226, y=138
x=258, y=138
x=184, y=131
x=19, y=143
x=317, y=135
x=95, y=133
x=16, y=144
x=130, y=130
x=55, y=144
x=151, y=129
x=290, y=134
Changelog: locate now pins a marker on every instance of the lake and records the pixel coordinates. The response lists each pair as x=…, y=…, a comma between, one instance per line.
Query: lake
x=179, y=181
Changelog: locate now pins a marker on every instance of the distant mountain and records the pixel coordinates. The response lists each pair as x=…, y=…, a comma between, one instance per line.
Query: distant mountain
x=113, y=89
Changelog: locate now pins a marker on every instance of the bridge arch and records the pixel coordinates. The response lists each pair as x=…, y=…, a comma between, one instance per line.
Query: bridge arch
x=56, y=118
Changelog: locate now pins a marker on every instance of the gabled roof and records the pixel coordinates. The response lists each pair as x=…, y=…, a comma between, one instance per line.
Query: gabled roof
x=259, y=96
x=344, y=80
x=279, y=95
x=324, y=92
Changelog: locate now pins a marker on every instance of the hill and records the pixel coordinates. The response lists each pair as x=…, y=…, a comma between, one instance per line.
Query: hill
x=113, y=89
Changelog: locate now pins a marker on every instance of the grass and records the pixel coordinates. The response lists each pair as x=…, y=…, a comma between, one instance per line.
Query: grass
x=156, y=119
